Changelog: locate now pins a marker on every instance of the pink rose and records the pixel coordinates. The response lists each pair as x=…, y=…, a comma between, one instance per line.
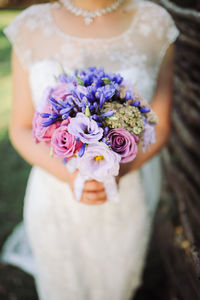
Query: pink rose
x=41, y=133
x=63, y=143
x=123, y=143
x=44, y=99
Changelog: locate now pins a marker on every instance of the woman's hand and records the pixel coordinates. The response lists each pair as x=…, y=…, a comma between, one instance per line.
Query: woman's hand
x=93, y=193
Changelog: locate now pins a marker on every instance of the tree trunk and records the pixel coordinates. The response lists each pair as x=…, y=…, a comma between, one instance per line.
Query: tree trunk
x=179, y=233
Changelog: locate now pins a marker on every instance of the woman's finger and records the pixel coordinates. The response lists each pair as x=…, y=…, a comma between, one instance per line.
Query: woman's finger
x=93, y=198
x=93, y=185
x=89, y=202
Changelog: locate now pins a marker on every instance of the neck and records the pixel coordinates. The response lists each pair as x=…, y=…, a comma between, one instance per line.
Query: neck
x=92, y=5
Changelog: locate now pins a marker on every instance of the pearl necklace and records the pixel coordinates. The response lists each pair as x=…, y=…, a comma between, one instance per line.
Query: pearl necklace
x=89, y=16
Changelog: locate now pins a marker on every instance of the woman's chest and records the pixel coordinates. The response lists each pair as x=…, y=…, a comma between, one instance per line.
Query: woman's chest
x=131, y=62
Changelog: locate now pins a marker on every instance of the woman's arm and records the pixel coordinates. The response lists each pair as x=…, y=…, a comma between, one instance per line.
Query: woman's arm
x=21, y=126
x=20, y=131
x=161, y=104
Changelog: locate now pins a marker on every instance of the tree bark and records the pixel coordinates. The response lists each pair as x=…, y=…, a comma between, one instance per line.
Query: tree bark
x=178, y=234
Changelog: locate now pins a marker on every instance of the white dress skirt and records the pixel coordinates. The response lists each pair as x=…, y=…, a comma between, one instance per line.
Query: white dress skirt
x=82, y=252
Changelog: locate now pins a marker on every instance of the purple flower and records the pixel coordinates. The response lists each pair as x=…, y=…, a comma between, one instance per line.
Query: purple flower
x=62, y=90
x=108, y=113
x=99, y=161
x=148, y=137
x=128, y=95
x=145, y=110
x=85, y=128
x=62, y=77
x=123, y=143
x=82, y=150
x=105, y=93
x=136, y=103
x=117, y=78
x=91, y=75
x=79, y=98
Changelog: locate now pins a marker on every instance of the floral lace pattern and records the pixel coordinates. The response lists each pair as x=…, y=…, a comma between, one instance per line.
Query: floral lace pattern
x=151, y=30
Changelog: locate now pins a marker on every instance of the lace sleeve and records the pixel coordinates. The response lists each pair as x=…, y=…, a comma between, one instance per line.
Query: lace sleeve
x=167, y=31
x=17, y=35
x=155, y=21
x=23, y=35
x=164, y=27
x=158, y=31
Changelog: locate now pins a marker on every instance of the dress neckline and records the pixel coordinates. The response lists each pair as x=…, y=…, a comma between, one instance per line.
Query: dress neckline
x=67, y=36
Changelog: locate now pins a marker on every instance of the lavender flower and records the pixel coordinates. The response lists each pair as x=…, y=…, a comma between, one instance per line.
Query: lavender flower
x=108, y=113
x=63, y=78
x=128, y=95
x=99, y=162
x=145, y=110
x=136, y=103
x=85, y=128
x=148, y=137
x=106, y=93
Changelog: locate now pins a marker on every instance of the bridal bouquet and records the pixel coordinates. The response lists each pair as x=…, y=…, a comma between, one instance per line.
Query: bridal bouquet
x=94, y=120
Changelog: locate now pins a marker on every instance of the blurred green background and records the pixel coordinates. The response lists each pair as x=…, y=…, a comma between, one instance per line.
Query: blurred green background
x=12, y=187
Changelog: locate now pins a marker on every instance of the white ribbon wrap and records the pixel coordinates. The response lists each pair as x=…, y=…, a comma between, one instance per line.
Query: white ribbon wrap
x=109, y=183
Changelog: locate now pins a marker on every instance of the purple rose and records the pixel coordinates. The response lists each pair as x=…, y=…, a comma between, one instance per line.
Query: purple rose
x=64, y=144
x=86, y=129
x=99, y=162
x=123, y=143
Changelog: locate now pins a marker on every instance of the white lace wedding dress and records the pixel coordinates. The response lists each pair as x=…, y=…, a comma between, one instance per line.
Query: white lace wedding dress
x=82, y=252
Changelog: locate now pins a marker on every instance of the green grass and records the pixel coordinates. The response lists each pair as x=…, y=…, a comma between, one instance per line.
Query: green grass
x=13, y=170
x=6, y=16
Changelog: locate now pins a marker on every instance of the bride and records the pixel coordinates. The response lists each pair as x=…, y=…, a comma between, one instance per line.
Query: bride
x=93, y=249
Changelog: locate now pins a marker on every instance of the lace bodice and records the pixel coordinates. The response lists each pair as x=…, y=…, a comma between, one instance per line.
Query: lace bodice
x=138, y=51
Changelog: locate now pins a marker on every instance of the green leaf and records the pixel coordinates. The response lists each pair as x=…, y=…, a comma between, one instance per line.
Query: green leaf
x=87, y=111
x=80, y=81
x=56, y=78
x=106, y=80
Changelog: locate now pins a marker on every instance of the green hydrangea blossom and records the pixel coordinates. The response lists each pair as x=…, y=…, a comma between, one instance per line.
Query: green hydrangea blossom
x=125, y=116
